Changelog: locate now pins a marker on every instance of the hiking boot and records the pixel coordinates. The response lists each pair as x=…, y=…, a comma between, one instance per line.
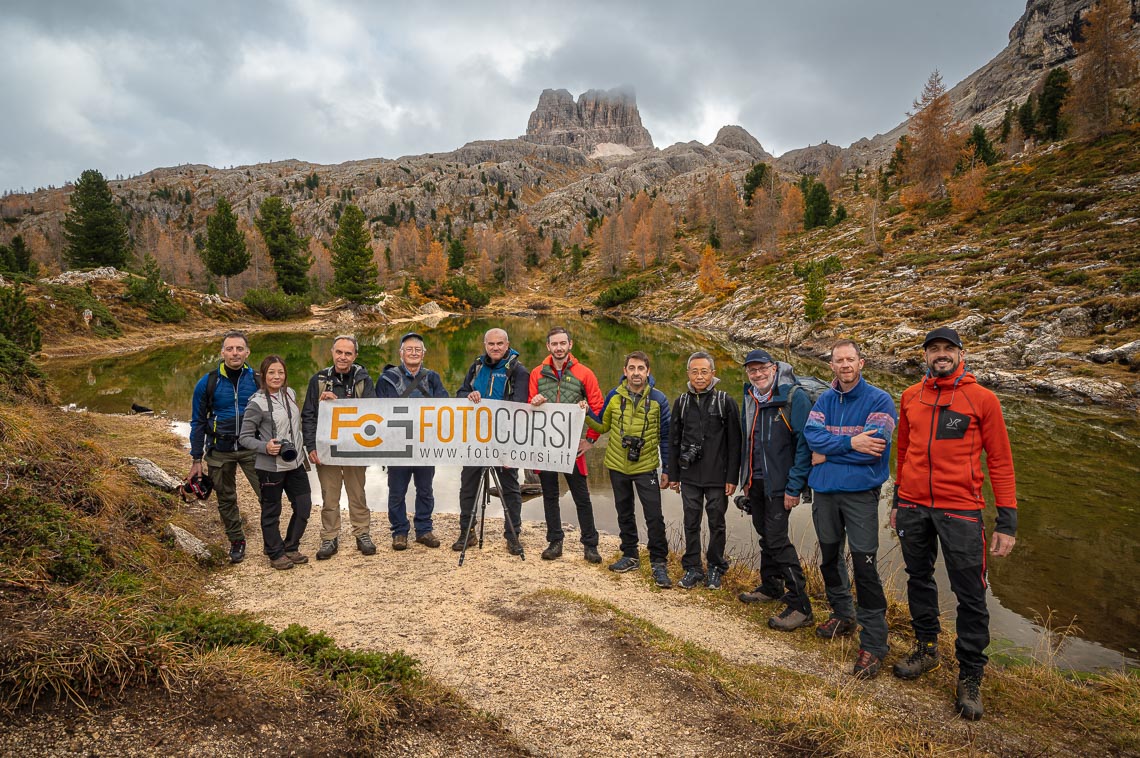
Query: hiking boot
x=790, y=619
x=968, y=702
x=552, y=551
x=757, y=595
x=366, y=546
x=713, y=580
x=297, y=557
x=470, y=534
x=514, y=547
x=399, y=542
x=281, y=562
x=836, y=626
x=624, y=564
x=328, y=549
x=923, y=659
x=428, y=539
x=660, y=575
x=237, y=551
x=592, y=555
x=867, y=665
x=692, y=578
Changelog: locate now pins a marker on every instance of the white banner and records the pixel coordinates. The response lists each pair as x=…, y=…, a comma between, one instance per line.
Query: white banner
x=449, y=432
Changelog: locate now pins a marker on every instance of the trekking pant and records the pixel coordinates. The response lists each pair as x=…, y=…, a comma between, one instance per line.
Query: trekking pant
x=696, y=501
x=580, y=491
x=511, y=496
x=222, y=470
x=650, y=495
x=780, y=572
x=398, y=479
x=963, y=540
x=856, y=516
x=352, y=479
x=295, y=484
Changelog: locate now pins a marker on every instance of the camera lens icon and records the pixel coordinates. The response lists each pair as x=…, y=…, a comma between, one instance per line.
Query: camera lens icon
x=366, y=426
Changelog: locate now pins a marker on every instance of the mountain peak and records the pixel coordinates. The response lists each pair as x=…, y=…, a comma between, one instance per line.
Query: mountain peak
x=597, y=117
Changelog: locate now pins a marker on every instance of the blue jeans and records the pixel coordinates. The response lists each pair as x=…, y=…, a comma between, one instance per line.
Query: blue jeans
x=398, y=479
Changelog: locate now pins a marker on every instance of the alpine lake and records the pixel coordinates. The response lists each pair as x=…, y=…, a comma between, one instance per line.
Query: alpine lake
x=1077, y=558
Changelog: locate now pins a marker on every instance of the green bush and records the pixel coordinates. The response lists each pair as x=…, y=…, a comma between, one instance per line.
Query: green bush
x=276, y=306
x=1130, y=282
x=466, y=292
x=619, y=293
x=103, y=324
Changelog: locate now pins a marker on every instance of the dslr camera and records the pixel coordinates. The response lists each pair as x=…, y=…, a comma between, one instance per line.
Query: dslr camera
x=690, y=454
x=741, y=502
x=632, y=447
x=288, y=451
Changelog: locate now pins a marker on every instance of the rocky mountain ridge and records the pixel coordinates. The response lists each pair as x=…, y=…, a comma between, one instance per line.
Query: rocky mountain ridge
x=598, y=117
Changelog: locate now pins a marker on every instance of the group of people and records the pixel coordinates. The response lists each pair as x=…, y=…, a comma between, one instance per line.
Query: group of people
x=779, y=447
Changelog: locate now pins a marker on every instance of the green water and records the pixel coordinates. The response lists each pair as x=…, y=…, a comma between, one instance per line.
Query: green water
x=1078, y=550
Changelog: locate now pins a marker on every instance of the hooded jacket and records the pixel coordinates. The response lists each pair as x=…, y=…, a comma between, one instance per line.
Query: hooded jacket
x=710, y=419
x=262, y=417
x=944, y=425
x=505, y=379
x=354, y=383
x=646, y=419
x=836, y=418
x=777, y=428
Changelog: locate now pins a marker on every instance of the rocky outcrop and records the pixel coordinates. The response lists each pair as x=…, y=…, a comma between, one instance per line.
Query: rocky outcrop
x=809, y=160
x=737, y=138
x=597, y=117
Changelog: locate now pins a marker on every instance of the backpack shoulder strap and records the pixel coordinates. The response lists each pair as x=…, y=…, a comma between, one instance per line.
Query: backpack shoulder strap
x=211, y=386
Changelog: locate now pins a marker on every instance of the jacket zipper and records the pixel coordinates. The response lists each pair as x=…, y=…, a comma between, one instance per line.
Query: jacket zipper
x=930, y=445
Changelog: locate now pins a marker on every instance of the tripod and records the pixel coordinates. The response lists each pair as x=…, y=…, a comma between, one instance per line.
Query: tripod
x=482, y=498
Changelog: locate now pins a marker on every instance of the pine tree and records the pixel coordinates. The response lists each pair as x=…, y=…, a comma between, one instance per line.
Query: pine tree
x=288, y=250
x=1105, y=71
x=456, y=254
x=1053, y=93
x=94, y=228
x=354, y=271
x=152, y=292
x=1027, y=118
x=17, y=321
x=7, y=260
x=817, y=206
x=815, y=294
x=980, y=148
x=225, y=254
x=755, y=178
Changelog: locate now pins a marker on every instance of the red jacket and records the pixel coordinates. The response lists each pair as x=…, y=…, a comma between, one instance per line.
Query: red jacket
x=573, y=383
x=944, y=425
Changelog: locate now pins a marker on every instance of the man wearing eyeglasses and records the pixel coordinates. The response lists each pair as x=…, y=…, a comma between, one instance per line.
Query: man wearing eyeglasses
x=411, y=379
x=945, y=423
x=774, y=465
x=704, y=463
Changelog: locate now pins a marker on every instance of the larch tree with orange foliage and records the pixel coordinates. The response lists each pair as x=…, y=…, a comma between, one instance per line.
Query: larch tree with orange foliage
x=612, y=245
x=661, y=230
x=1104, y=90
x=642, y=242
x=434, y=268
x=765, y=220
x=711, y=280
x=934, y=144
x=791, y=211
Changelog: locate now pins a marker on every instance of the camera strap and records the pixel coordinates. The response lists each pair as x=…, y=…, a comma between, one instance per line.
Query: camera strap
x=288, y=412
x=644, y=420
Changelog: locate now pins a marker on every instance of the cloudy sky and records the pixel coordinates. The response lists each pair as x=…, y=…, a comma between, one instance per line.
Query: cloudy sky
x=125, y=86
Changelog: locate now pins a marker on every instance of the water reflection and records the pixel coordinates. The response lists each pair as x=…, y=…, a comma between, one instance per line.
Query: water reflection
x=1078, y=550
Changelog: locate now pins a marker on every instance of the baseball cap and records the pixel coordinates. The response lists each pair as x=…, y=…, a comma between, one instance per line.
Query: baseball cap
x=943, y=333
x=758, y=356
x=411, y=336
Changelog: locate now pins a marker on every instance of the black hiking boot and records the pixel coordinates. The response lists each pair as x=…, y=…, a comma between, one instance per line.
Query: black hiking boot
x=968, y=703
x=923, y=659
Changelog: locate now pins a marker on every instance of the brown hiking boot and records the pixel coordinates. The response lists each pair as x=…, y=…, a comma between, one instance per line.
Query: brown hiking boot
x=399, y=542
x=835, y=626
x=790, y=619
x=757, y=595
x=428, y=540
x=297, y=557
x=867, y=665
x=281, y=563
x=923, y=659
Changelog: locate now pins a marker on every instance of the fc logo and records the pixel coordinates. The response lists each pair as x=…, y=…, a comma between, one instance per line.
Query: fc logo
x=345, y=418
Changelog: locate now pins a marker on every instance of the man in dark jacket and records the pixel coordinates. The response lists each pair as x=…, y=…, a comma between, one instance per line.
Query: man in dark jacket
x=220, y=398
x=411, y=379
x=704, y=463
x=495, y=375
x=774, y=465
x=344, y=379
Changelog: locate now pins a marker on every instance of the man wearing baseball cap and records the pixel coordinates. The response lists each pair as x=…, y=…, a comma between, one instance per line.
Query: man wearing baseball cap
x=774, y=463
x=411, y=379
x=951, y=419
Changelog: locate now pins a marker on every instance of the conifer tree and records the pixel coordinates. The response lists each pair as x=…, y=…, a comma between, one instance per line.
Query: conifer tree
x=711, y=280
x=1105, y=71
x=17, y=321
x=933, y=143
x=354, y=271
x=225, y=254
x=456, y=254
x=980, y=148
x=1053, y=93
x=1027, y=118
x=288, y=250
x=94, y=228
x=815, y=294
x=817, y=206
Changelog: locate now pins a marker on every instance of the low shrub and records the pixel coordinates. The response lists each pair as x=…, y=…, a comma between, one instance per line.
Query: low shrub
x=466, y=292
x=619, y=293
x=276, y=306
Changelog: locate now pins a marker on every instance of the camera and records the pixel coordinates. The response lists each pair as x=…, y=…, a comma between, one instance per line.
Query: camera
x=690, y=454
x=288, y=451
x=199, y=487
x=632, y=447
x=741, y=502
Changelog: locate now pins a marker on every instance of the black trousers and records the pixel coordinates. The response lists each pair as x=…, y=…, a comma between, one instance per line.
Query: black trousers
x=511, y=495
x=696, y=501
x=780, y=572
x=295, y=484
x=580, y=491
x=963, y=539
x=649, y=492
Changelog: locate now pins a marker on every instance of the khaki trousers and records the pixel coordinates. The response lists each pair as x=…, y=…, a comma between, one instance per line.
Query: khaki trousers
x=332, y=478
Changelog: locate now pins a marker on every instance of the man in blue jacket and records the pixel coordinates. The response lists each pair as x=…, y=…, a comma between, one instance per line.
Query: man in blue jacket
x=495, y=375
x=774, y=464
x=849, y=432
x=219, y=402
x=411, y=379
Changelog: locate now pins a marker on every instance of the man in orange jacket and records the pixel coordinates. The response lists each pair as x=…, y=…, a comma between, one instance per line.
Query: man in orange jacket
x=945, y=422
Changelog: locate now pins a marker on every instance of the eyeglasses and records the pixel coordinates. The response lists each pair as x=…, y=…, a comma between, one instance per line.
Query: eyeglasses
x=700, y=372
x=765, y=368
x=412, y=350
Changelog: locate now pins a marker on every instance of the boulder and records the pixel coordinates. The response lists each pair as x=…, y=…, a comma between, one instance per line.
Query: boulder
x=1101, y=355
x=737, y=138
x=188, y=543
x=150, y=473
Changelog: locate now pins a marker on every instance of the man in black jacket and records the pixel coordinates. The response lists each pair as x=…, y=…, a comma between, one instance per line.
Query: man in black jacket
x=704, y=463
x=495, y=375
x=411, y=379
x=344, y=379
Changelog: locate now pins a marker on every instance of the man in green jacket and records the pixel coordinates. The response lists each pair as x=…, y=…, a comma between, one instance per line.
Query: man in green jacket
x=637, y=415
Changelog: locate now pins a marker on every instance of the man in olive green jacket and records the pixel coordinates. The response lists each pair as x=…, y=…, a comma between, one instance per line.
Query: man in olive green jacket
x=637, y=416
